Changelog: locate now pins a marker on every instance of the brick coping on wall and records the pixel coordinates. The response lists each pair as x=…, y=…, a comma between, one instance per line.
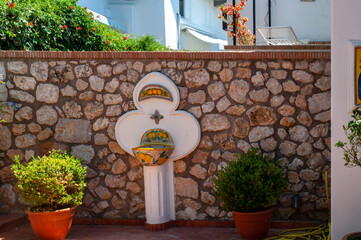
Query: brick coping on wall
x=179, y=55
x=311, y=47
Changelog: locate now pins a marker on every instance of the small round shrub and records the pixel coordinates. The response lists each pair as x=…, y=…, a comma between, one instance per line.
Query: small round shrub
x=250, y=183
x=51, y=182
x=62, y=25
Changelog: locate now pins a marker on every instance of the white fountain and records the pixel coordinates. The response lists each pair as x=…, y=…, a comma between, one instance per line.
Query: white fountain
x=157, y=134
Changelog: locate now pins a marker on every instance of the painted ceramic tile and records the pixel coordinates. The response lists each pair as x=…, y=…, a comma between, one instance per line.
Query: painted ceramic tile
x=155, y=148
x=156, y=136
x=155, y=91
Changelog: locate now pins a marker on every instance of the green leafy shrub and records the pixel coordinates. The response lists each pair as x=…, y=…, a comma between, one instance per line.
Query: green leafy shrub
x=62, y=25
x=51, y=182
x=352, y=148
x=250, y=183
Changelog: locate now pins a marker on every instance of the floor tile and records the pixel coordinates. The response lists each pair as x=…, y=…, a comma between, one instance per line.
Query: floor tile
x=101, y=232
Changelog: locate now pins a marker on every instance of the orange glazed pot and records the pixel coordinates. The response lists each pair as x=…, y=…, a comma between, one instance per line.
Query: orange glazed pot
x=51, y=225
x=253, y=225
x=352, y=236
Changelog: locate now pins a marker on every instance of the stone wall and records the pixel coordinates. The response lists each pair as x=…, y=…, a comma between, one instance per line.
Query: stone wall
x=72, y=103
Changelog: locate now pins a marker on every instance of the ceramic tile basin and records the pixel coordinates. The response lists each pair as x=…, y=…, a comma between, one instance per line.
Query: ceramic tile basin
x=156, y=146
x=153, y=154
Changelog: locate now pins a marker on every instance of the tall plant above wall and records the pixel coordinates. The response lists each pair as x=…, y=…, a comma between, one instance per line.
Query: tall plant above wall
x=237, y=25
x=62, y=25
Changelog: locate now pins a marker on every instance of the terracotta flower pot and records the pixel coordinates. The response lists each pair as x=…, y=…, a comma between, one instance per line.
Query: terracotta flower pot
x=51, y=225
x=351, y=236
x=253, y=225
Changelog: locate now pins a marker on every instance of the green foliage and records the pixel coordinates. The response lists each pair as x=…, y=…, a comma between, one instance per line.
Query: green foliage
x=1, y=106
x=51, y=182
x=62, y=25
x=250, y=183
x=352, y=148
x=117, y=42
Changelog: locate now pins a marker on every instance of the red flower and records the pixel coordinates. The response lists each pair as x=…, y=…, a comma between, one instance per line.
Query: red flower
x=65, y=26
x=78, y=28
x=86, y=7
x=112, y=49
x=108, y=42
x=31, y=23
x=71, y=7
x=124, y=38
x=91, y=13
x=11, y=5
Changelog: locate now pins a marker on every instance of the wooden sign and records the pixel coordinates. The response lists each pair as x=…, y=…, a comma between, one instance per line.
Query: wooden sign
x=358, y=75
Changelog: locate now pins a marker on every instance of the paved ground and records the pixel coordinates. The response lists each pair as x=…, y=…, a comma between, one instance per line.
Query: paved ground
x=96, y=232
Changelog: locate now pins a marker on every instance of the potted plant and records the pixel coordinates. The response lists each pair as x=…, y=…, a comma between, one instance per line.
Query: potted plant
x=54, y=186
x=248, y=186
x=352, y=150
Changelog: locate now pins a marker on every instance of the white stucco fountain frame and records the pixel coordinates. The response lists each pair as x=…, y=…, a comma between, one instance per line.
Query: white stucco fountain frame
x=158, y=112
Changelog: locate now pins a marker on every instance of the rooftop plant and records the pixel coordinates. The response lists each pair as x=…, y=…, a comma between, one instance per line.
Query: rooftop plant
x=236, y=24
x=62, y=25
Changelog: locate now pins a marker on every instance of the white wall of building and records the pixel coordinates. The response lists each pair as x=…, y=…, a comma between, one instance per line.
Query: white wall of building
x=99, y=6
x=149, y=18
x=171, y=9
x=346, y=189
x=161, y=19
x=191, y=43
x=123, y=14
x=202, y=15
x=309, y=20
x=140, y=17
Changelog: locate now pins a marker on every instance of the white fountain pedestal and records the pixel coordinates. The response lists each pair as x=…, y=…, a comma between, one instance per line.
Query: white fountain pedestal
x=156, y=98
x=159, y=193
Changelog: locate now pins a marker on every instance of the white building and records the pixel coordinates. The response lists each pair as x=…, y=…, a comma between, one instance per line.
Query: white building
x=346, y=189
x=310, y=19
x=194, y=24
x=179, y=24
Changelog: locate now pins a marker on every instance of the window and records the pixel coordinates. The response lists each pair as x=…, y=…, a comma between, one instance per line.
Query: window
x=219, y=2
x=181, y=7
x=224, y=23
